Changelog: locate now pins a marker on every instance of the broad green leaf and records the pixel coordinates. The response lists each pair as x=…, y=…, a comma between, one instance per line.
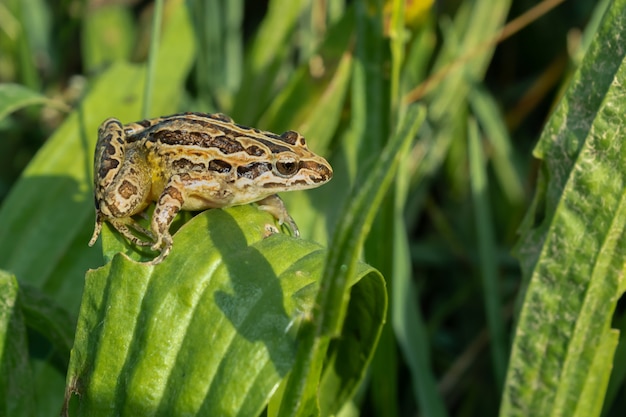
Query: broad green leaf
x=46, y=220
x=572, y=247
x=16, y=392
x=210, y=331
x=15, y=97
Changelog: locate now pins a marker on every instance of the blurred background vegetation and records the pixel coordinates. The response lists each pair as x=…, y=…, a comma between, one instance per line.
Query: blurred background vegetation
x=58, y=48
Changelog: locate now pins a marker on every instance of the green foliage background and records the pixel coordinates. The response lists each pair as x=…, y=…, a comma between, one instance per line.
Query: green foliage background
x=402, y=298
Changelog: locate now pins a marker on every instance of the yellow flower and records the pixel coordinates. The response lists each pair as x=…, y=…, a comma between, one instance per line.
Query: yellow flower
x=415, y=12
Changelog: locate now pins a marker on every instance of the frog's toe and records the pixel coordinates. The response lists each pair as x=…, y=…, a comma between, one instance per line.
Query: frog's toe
x=163, y=244
x=161, y=257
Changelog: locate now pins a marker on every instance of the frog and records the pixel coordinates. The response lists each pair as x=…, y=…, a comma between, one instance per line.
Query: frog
x=194, y=161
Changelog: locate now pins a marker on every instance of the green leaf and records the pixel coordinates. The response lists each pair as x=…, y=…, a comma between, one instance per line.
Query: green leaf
x=492, y=122
x=211, y=330
x=14, y=97
x=572, y=245
x=16, y=391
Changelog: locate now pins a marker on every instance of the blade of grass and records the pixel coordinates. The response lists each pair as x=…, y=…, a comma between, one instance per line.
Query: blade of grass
x=371, y=127
x=313, y=105
x=332, y=299
x=384, y=367
x=487, y=253
x=492, y=122
x=398, y=38
x=155, y=38
x=406, y=318
x=407, y=323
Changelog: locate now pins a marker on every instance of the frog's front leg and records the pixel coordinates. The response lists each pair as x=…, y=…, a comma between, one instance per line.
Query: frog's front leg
x=275, y=206
x=188, y=191
x=169, y=204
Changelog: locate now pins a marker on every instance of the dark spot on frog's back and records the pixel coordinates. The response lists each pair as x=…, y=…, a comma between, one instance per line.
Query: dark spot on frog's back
x=254, y=150
x=168, y=137
x=184, y=164
x=290, y=137
x=273, y=146
x=226, y=145
x=217, y=165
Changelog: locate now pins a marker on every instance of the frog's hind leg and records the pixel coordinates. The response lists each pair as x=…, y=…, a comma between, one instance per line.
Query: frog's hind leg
x=109, y=156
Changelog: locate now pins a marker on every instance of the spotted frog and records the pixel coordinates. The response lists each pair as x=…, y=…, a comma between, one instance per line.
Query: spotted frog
x=194, y=161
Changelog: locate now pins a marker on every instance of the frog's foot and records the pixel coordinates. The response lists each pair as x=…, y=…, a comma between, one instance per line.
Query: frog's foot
x=96, y=230
x=275, y=206
x=163, y=244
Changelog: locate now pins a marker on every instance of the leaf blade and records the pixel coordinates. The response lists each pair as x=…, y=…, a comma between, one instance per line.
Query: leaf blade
x=568, y=304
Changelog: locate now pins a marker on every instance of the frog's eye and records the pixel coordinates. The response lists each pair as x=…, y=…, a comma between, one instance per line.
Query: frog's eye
x=286, y=167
